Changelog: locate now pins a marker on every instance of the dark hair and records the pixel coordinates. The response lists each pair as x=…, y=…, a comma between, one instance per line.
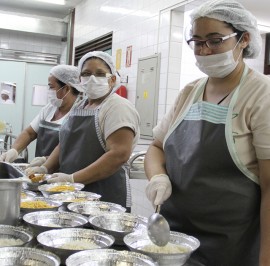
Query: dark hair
x=62, y=84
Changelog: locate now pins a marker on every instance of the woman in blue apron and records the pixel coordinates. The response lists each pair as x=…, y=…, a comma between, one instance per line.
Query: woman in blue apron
x=99, y=135
x=46, y=125
x=209, y=163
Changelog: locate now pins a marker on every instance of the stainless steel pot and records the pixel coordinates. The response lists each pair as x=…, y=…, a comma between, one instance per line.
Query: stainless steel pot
x=10, y=194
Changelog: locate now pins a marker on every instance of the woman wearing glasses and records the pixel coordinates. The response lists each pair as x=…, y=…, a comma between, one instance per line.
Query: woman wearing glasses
x=209, y=165
x=99, y=135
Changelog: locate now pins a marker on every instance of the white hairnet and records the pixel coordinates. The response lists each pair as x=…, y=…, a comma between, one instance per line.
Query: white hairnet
x=234, y=13
x=107, y=59
x=69, y=75
x=5, y=92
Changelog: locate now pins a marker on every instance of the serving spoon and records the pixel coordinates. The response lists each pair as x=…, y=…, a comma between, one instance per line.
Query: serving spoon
x=158, y=228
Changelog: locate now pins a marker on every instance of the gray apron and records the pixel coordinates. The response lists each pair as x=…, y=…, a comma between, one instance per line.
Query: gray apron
x=47, y=138
x=211, y=198
x=82, y=144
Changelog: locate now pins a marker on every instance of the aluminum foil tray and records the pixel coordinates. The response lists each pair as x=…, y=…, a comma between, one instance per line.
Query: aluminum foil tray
x=64, y=242
x=138, y=240
x=23, y=256
x=93, y=208
x=47, y=220
x=118, y=224
x=45, y=188
x=109, y=257
x=76, y=196
x=16, y=236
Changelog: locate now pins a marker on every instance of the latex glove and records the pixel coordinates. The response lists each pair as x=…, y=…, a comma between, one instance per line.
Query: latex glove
x=159, y=189
x=61, y=177
x=10, y=156
x=36, y=170
x=37, y=161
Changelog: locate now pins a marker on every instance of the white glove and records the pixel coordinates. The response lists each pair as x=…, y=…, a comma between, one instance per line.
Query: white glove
x=36, y=170
x=37, y=161
x=61, y=177
x=159, y=189
x=10, y=156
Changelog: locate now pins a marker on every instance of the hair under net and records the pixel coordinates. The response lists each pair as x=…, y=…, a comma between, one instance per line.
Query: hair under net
x=234, y=13
x=69, y=75
x=107, y=59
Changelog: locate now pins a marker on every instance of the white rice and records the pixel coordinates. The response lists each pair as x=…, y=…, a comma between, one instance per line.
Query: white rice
x=8, y=242
x=168, y=249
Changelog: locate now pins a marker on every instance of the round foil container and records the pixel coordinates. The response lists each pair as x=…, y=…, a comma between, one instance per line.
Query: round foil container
x=109, y=257
x=14, y=236
x=65, y=242
x=138, y=240
x=93, y=208
x=47, y=220
x=23, y=256
x=118, y=224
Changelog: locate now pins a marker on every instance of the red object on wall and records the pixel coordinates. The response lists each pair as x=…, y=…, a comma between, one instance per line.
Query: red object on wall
x=122, y=91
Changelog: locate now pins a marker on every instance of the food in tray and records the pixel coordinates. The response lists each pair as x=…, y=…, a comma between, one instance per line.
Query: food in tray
x=170, y=248
x=79, y=245
x=36, y=204
x=61, y=188
x=35, y=178
x=8, y=242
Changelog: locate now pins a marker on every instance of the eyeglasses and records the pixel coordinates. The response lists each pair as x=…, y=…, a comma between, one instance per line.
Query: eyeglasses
x=98, y=74
x=213, y=43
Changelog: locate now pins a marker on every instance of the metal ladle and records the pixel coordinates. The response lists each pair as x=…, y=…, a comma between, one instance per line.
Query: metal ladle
x=158, y=228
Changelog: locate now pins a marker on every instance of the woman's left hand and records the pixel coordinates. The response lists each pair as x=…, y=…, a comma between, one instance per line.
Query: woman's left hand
x=61, y=177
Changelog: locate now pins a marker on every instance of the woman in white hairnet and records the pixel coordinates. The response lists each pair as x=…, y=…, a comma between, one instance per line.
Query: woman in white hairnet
x=209, y=164
x=45, y=126
x=99, y=135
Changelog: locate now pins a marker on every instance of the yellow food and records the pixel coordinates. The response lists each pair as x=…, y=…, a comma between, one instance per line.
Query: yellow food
x=36, y=178
x=168, y=249
x=23, y=195
x=61, y=188
x=36, y=204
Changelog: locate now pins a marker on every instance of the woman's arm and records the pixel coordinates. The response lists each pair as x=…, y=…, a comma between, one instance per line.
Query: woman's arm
x=24, y=139
x=154, y=162
x=264, y=166
x=119, y=145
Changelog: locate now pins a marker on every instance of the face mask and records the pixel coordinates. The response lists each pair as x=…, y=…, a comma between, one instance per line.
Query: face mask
x=218, y=65
x=52, y=97
x=95, y=87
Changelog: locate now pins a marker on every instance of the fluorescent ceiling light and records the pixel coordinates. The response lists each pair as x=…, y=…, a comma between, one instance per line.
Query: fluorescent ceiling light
x=263, y=28
x=56, y=2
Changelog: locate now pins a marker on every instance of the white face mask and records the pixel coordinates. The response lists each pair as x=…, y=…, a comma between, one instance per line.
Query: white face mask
x=52, y=97
x=95, y=87
x=218, y=65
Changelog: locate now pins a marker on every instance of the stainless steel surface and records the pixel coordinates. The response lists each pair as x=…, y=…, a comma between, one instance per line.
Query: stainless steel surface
x=136, y=241
x=158, y=228
x=77, y=196
x=45, y=188
x=47, y=220
x=136, y=165
x=54, y=205
x=118, y=224
x=15, y=232
x=92, y=208
x=108, y=257
x=23, y=256
x=10, y=194
x=53, y=240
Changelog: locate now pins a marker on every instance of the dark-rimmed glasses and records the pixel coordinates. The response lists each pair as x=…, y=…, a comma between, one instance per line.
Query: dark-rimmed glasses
x=212, y=43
